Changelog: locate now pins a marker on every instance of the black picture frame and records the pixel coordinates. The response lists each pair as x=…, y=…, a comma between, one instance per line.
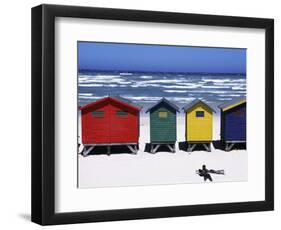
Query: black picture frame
x=43, y=114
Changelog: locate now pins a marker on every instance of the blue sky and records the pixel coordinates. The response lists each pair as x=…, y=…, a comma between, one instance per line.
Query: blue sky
x=156, y=58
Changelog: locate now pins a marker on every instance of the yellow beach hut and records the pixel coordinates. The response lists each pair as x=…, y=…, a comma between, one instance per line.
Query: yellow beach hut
x=198, y=125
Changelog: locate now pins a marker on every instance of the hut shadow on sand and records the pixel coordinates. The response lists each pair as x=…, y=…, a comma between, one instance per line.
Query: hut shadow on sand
x=118, y=149
x=221, y=146
x=183, y=145
x=162, y=148
x=217, y=144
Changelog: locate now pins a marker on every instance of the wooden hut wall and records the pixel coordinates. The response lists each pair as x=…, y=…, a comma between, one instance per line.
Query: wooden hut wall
x=199, y=128
x=163, y=124
x=110, y=122
x=233, y=124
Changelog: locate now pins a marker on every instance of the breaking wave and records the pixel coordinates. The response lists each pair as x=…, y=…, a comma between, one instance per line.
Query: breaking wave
x=150, y=87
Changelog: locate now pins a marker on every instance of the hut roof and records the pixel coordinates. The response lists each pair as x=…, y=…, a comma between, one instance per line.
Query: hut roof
x=164, y=100
x=195, y=102
x=124, y=101
x=233, y=103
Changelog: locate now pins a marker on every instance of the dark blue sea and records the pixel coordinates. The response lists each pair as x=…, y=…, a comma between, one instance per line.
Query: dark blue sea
x=147, y=88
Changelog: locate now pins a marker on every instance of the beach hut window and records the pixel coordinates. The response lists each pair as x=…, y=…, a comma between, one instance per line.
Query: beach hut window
x=98, y=113
x=163, y=114
x=200, y=114
x=121, y=113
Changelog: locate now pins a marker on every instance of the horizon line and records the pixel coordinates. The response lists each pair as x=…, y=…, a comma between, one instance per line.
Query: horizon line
x=140, y=71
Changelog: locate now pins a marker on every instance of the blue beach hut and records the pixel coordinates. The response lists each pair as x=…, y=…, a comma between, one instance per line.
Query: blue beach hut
x=233, y=122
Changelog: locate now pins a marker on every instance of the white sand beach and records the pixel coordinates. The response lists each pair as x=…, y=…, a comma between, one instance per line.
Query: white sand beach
x=144, y=168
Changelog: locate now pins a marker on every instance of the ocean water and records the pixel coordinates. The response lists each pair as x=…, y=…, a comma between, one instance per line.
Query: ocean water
x=146, y=88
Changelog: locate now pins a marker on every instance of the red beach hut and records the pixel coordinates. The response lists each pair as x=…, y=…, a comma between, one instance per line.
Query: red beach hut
x=110, y=121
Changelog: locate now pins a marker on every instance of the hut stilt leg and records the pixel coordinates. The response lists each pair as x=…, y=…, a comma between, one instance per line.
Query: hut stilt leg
x=228, y=147
x=156, y=148
x=133, y=149
x=151, y=148
x=192, y=147
x=108, y=150
x=81, y=148
x=170, y=147
x=207, y=147
x=87, y=151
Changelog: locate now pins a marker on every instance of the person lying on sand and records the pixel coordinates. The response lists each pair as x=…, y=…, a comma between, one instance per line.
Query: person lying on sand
x=205, y=173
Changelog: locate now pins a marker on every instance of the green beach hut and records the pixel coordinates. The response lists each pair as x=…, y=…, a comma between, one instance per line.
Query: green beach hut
x=163, y=125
